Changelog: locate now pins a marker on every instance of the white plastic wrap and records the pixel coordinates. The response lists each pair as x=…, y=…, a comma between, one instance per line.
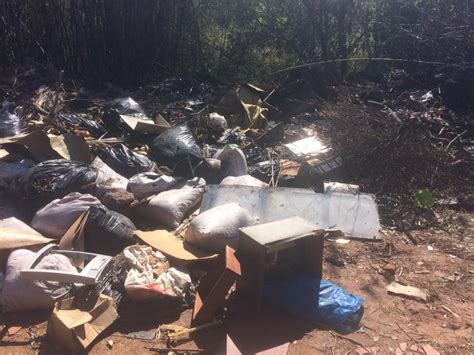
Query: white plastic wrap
x=218, y=227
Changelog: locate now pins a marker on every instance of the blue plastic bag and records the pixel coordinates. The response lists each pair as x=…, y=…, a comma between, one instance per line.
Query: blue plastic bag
x=307, y=297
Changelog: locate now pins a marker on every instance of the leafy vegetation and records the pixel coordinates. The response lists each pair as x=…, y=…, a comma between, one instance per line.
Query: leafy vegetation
x=133, y=40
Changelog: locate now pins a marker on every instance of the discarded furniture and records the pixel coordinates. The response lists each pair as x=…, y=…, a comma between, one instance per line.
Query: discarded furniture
x=284, y=246
x=214, y=287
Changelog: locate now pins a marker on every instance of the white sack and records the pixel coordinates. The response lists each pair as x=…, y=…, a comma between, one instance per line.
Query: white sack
x=244, y=180
x=170, y=208
x=233, y=162
x=147, y=184
x=25, y=295
x=54, y=219
x=218, y=227
x=108, y=180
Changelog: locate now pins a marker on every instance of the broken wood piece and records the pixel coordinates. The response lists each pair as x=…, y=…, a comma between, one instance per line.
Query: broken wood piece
x=408, y=291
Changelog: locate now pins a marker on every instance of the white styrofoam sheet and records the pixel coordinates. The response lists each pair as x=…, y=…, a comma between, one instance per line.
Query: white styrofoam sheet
x=355, y=215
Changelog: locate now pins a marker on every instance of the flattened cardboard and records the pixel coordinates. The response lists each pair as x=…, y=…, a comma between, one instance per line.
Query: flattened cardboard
x=76, y=326
x=173, y=247
x=146, y=126
x=13, y=238
x=71, y=147
x=36, y=144
x=40, y=147
x=73, y=239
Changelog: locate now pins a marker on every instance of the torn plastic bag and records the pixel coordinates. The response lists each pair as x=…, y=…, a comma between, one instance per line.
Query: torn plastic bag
x=25, y=295
x=147, y=184
x=150, y=277
x=244, y=180
x=169, y=208
x=9, y=171
x=10, y=124
x=54, y=219
x=107, y=232
x=72, y=120
x=125, y=161
x=52, y=179
x=176, y=146
x=307, y=297
x=107, y=179
x=218, y=227
x=122, y=106
x=233, y=162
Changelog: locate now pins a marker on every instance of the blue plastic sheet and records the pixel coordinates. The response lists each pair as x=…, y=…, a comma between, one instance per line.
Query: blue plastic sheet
x=307, y=297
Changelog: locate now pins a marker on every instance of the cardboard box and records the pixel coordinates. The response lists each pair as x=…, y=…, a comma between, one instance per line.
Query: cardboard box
x=76, y=322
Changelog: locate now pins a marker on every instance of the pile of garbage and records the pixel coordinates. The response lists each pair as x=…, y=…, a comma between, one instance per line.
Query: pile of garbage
x=189, y=206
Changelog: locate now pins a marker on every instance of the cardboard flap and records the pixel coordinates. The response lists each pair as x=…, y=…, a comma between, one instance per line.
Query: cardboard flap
x=73, y=318
x=140, y=125
x=173, y=247
x=11, y=238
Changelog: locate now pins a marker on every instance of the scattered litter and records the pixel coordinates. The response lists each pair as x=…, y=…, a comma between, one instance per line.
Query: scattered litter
x=408, y=291
x=150, y=276
x=143, y=335
x=170, y=333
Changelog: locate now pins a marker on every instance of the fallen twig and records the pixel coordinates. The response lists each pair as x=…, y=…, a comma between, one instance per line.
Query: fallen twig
x=454, y=139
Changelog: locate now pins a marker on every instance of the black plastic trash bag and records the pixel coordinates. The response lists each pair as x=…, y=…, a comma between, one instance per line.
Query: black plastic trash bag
x=49, y=180
x=10, y=124
x=125, y=161
x=176, y=147
x=122, y=106
x=107, y=232
x=73, y=120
